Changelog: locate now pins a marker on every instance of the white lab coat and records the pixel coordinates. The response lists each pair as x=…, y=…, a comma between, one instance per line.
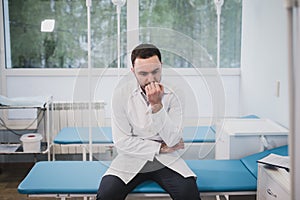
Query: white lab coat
x=135, y=127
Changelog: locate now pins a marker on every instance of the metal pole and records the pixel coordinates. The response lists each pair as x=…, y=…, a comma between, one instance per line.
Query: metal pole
x=119, y=4
x=218, y=4
x=88, y=5
x=119, y=40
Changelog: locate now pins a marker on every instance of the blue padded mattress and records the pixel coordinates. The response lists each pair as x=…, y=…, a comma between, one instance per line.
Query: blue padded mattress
x=63, y=177
x=80, y=135
x=213, y=176
x=103, y=135
x=198, y=134
x=83, y=177
x=251, y=161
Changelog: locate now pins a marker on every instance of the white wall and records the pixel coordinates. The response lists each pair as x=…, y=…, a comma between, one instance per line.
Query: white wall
x=200, y=88
x=264, y=60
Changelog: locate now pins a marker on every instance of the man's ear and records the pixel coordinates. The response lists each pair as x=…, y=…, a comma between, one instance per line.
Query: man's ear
x=132, y=69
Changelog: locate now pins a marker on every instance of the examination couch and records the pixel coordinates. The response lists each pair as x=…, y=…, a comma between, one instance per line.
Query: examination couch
x=102, y=136
x=63, y=179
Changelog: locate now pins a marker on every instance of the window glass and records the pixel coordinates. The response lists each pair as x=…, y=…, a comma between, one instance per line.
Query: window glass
x=192, y=26
x=66, y=46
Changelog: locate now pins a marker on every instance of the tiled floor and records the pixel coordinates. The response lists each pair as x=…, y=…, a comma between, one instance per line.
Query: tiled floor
x=11, y=174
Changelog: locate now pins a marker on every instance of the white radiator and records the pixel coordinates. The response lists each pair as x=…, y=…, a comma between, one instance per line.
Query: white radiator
x=75, y=114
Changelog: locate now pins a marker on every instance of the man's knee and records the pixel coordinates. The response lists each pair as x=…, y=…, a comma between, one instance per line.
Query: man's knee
x=110, y=189
x=188, y=190
x=109, y=196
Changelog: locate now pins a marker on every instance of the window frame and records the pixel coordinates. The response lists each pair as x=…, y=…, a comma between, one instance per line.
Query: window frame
x=132, y=40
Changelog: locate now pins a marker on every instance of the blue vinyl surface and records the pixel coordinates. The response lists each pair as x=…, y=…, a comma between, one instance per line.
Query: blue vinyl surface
x=83, y=177
x=103, y=135
x=80, y=135
x=198, y=134
x=251, y=161
x=213, y=176
x=222, y=176
x=63, y=177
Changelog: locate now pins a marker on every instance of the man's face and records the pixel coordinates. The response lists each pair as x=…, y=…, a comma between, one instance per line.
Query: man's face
x=147, y=70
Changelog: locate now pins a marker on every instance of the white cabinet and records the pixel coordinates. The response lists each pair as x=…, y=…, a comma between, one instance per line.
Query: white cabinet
x=272, y=183
x=236, y=138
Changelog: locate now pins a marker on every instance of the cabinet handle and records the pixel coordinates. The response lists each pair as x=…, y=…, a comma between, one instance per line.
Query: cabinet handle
x=269, y=191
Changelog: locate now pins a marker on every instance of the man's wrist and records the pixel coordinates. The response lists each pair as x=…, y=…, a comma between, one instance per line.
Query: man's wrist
x=163, y=147
x=156, y=107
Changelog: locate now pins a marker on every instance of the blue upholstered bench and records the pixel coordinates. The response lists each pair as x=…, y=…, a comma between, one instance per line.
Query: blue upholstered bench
x=81, y=178
x=103, y=135
x=79, y=136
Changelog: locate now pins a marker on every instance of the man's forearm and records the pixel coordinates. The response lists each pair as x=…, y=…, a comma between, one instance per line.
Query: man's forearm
x=166, y=149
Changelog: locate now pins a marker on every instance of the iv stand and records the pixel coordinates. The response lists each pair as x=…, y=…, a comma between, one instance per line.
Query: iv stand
x=88, y=5
x=219, y=4
x=119, y=4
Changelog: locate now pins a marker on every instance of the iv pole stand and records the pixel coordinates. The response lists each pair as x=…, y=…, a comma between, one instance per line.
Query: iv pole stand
x=218, y=4
x=217, y=106
x=88, y=5
x=119, y=4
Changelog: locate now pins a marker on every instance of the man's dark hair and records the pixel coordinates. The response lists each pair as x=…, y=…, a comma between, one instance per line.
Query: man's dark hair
x=145, y=51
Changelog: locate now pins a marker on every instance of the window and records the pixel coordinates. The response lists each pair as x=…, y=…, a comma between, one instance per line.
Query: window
x=192, y=25
x=66, y=46
x=185, y=31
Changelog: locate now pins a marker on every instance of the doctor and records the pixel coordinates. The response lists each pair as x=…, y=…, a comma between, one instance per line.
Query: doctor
x=147, y=132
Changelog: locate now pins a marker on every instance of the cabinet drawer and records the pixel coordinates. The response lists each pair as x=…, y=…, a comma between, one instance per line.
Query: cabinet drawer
x=268, y=189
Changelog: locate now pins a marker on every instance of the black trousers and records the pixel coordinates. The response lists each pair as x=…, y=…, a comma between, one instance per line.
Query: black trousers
x=179, y=188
